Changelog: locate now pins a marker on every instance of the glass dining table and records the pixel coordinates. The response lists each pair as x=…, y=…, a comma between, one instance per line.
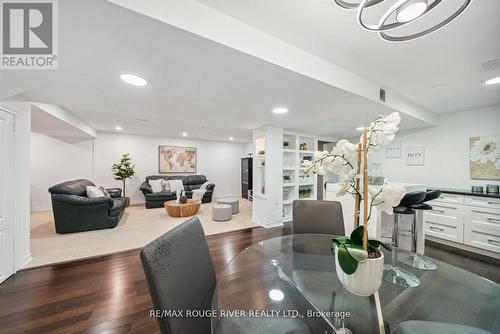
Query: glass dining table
x=293, y=277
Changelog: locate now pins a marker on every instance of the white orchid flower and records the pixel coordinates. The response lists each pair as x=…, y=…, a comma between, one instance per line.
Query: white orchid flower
x=387, y=197
x=346, y=182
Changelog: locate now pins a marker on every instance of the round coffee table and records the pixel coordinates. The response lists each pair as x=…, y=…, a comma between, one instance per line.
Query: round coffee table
x=190, y=208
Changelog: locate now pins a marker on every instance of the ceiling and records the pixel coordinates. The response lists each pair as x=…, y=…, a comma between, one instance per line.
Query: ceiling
x=213, y=92
x=440, y=72
x=195, y=85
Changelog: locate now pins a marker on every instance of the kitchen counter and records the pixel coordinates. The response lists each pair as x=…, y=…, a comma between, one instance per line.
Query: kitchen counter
x=464, y=192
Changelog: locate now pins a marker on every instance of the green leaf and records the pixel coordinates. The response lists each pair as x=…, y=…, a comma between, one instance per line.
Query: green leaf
x=376, y=244
x=357, y=235
x=357, y=252
x=341, y=240
x=346, y=261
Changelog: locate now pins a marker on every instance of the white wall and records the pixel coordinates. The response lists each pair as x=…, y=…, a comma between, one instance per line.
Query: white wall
x=248, y=148
x=55, y=161
x=446, y=150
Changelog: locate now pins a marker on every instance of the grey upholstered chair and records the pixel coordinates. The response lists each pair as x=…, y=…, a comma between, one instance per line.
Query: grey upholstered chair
x=181, y=276
x=319, y=217
x=428, y=327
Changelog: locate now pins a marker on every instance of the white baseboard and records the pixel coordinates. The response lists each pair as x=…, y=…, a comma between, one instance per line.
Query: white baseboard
x=40, y=209
x=24, y=261
x=268, y=224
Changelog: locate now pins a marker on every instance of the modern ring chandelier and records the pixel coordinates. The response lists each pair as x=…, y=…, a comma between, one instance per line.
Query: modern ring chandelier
x=401, y=13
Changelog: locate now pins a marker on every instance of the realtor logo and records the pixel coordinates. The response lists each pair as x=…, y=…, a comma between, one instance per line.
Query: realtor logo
x=29, y=34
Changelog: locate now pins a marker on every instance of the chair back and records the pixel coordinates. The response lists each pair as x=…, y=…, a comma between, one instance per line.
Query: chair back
x=180, y=276
x=318, y=217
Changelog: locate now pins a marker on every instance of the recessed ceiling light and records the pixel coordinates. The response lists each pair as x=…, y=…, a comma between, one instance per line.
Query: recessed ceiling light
x=118, y=128
x=184, y=134
x=133, y=79
x=280, y=110
x=231, y=138
x=360, y=128
x=276, y=295
x=492, y=81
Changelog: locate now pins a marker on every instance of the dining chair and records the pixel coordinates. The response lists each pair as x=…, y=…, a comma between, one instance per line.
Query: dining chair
x=181, y=276
x=318, y=217
x=429, y=327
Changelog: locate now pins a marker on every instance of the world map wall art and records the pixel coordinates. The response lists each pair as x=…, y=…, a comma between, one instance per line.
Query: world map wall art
x=176, y=159
x=485, y=157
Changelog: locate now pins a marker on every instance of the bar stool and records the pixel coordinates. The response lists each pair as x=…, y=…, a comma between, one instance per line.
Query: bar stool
x=392, y=273
x=415, y=259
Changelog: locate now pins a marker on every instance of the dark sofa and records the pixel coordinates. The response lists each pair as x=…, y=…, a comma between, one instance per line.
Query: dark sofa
x=191, y=182
x=75, y=212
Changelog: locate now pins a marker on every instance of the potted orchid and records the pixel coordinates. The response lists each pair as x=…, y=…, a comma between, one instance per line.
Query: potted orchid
x=359, y=262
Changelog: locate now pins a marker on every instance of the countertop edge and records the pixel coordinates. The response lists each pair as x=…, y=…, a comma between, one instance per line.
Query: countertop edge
x=464, y=192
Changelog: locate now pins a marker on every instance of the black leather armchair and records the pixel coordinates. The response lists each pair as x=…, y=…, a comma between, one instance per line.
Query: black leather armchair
x=75, y=212
x=190, y=182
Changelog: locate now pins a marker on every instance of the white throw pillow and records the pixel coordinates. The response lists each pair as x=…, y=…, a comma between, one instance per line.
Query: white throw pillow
x=166, y=185
x=94, y=192
x=176, y=184
x=157, y=185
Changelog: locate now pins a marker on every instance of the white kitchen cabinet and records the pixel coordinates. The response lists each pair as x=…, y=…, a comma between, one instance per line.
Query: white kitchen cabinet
x=445, y=220
x=465, y=219
x=482, y=229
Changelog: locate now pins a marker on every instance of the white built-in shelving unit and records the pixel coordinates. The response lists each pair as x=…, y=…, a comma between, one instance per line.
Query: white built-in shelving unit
x=296, y=148
x=278, y=177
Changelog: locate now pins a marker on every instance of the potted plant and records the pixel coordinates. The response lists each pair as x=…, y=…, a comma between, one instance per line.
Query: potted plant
x=359, y=262
x=287, y=178
x=286, y=143
x=122, y=171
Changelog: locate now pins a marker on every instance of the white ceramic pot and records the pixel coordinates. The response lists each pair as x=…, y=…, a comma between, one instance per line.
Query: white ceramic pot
x=366, y=280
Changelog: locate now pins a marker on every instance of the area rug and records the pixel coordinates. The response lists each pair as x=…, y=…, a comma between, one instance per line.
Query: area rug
x=138, y=227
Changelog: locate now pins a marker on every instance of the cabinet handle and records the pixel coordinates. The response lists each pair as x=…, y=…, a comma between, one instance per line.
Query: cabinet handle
x=436, y=229
x=493, y=203
x=491, y=241
x=493, y=220
x=437, y=211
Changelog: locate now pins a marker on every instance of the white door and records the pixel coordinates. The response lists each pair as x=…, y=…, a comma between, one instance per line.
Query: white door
x=6, y=194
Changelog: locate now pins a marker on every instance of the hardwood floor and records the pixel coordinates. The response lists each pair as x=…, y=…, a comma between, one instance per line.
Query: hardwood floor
x=109, y=294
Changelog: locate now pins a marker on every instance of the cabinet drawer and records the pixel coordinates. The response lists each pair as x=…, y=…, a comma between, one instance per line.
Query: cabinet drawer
x=483, y=236
x=450, y=198
x=482, y=228
x=450, y=210
x=487, y=216
x=443, y=227
x=487, y=202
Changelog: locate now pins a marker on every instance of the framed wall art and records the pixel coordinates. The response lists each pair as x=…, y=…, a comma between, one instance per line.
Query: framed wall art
x=177, y=159
x=484, y=158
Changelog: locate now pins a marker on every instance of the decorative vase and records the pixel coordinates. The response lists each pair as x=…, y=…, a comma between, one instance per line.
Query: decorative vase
x=366, y=280
x=183, y=199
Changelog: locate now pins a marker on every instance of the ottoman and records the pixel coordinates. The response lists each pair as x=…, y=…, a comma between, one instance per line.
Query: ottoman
x=234, y=202
x=221, y=212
